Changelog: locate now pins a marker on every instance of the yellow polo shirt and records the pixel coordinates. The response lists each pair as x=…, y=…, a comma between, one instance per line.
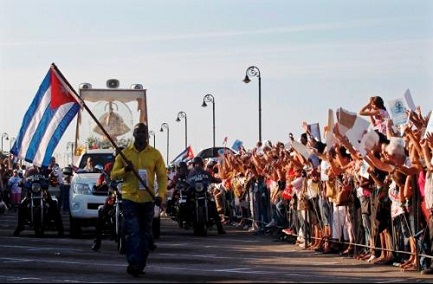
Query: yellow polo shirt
x=150, y=159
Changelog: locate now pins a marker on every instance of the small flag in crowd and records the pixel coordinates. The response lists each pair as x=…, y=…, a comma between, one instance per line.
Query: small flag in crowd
x=184, y=156
x=237, y=145
x=49, y=114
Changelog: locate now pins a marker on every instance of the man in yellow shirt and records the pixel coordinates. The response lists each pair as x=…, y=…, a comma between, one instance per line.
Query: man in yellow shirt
x=138, y=198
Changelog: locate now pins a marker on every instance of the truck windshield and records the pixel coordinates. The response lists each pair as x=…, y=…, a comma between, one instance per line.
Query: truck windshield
x=97, y=159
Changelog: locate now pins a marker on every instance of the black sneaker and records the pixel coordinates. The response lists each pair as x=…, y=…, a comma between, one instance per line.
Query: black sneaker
x=135, y=272
x=17, y=231
x=96, y=245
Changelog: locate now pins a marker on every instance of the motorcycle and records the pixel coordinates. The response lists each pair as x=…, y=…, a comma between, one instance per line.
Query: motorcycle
x=118, y=220
x=38, y=209
x=203, y=208
x=180, y=208
x=110, y=217
x=200, y=197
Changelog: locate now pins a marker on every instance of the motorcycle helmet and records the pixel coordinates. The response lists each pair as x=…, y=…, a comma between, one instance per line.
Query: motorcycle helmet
x=198, y=161
x=182, y=165
x=99, y=168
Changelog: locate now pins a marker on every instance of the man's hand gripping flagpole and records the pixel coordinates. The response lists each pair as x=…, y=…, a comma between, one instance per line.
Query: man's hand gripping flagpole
x=128, y=162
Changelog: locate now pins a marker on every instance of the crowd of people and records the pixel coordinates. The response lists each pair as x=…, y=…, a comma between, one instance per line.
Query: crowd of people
x=13, y=174
x=375, y=204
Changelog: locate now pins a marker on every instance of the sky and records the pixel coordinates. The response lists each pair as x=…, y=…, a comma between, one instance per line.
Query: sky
x=312, y=56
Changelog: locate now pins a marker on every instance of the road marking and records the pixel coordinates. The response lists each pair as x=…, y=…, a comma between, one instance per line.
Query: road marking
x=36, y=248
x=11, y=259
x=232, y=269
x=21, y=278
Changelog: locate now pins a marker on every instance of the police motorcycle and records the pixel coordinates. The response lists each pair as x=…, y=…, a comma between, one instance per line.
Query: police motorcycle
x=200, y=197
x=178, y=202
x=203, y=203
x=180, y=209
x=38, y=209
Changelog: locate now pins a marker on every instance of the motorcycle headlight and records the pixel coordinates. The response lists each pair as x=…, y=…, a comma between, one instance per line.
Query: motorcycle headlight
x=199, y=187
x=82, y=188
x=36, y=187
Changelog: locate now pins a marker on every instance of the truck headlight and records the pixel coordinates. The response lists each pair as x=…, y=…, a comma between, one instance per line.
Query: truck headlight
x=82, y=188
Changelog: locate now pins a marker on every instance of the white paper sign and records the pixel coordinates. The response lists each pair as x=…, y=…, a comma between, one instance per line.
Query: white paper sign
x=352, y=125
x=329, y=138
x=314, y=129
x=397, y=110
x=409, y=100
x=368, y=141
x=429, y=127
x=301, y=149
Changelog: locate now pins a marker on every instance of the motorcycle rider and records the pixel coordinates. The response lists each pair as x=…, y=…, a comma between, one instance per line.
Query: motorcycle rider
x=53, y=210
x=198, y=173
x=182, y=172
x=103, y=212
x=55, y=175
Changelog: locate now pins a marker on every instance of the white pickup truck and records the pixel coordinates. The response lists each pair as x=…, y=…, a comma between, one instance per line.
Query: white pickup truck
x=83, y=199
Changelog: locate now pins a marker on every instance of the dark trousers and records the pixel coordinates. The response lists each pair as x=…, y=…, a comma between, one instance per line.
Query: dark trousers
x=137, y=225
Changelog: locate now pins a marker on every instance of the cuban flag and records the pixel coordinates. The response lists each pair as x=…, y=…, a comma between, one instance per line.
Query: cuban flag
x=184, y=156
x=49, y=114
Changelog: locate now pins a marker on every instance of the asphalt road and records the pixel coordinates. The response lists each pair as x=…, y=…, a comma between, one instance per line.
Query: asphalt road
x=238, y=256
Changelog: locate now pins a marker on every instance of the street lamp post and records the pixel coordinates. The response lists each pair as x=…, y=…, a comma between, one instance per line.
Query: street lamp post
x=165, y=126
x=210, y=99
x=152, y=133
x=255, y=71
x=180, y=115
x=4, y=135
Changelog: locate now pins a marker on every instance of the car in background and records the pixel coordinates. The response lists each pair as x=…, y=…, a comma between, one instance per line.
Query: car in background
x=214, y=152
x=84, y=200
